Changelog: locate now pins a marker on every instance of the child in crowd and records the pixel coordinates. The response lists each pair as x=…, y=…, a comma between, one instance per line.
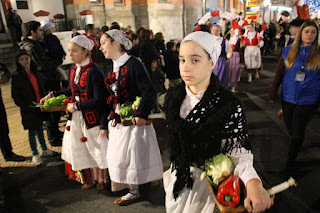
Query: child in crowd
x=205, y=119
x=28, y=87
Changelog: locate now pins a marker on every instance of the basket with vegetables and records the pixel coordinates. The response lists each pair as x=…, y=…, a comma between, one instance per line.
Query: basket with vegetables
x=54, y=104
x=227, y=189
x=127, y=111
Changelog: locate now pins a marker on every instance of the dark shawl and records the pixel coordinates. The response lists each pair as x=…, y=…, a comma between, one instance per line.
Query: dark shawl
x=218, y=116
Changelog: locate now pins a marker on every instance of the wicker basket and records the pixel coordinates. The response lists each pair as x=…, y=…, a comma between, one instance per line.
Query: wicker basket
x=129, y=122
x=229, y=209
x=54, y=109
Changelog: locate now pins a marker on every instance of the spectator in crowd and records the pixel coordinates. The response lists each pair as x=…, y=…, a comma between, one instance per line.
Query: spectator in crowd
x=295, y=25
x=5, y=143
x=91, y=34
x=115, y=25
x=10, y=18
x=54, y=50
x=74, y=32
x=135, y=50
x=171, y=61
x=128, y=30
x=140, y=32
x=48, y=68
x=27, y=88
x=158, y=79
x=299, y=73
x=148, y=51
x=104, y=29
x=272, y=35
x=159, y=42
x=17, y=25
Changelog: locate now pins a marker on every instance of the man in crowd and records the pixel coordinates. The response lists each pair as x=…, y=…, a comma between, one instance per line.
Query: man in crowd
x=47, y=67
x=91, y=34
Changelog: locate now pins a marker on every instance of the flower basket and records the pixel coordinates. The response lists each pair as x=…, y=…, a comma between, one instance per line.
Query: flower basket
x=229, y=209
x=54, y=109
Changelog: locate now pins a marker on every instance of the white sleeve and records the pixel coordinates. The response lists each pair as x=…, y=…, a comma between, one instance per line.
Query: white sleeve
x=243, y=161
x=261, y=43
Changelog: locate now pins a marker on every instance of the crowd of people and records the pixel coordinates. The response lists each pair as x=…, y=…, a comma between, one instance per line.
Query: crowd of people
x=112, y=67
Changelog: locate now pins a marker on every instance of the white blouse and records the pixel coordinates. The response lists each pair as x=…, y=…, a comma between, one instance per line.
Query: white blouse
x=116, y=67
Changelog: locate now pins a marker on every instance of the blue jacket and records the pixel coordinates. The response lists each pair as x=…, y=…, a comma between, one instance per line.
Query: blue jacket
x=300, y=93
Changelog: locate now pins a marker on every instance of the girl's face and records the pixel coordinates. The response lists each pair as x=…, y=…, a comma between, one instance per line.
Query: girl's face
x=251, y=28
x=24, y=60
x=195, y=66
x=77, y=53
x=108, y=48
x=215, y=30
x=308, y=35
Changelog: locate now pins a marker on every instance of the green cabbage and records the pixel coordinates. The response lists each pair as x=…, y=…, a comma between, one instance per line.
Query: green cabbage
x=54, y=102
x=218, y=168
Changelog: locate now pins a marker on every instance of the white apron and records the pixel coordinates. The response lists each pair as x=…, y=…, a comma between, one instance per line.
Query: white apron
x=252, y=57
x=197, y=200
x=83, y=155
x=133, y=154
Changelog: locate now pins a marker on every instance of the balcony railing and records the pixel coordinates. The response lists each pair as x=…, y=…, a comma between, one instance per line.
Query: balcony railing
x=62, y=25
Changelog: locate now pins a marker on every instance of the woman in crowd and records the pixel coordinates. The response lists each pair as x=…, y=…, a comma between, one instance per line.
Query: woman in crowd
x=221, y=68
x=299, y=73
x=204, y=120
x=133, y=152
x=252, y=55
x=234, y=61
x=82, y=147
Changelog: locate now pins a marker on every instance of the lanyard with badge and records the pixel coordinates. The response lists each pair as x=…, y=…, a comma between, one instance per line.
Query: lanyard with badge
x=301, y=74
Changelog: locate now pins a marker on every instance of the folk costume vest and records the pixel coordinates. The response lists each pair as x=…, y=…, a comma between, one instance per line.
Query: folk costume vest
x=80, y=89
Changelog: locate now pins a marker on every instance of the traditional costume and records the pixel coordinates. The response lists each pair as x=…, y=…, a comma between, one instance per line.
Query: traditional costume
x=252, y=55
x=221, y=67
x=82, y=147
x=133, y=152
x=234, y=63
x=201, y=126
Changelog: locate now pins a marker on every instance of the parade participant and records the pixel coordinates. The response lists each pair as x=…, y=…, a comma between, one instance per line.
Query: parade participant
x=252, y=55
x=299, y=68
x=234, y=62
x=221, y=68
x=82, y=147
x=28, y=87
x=205, y=119
x=133, y=152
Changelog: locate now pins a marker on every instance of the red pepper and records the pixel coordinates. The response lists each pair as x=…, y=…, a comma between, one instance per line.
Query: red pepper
x=229, y=191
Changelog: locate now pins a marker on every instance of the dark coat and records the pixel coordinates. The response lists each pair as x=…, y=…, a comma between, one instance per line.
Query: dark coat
x=24, y=94
x=54, y=48
x=148, y=52
x=171, y=61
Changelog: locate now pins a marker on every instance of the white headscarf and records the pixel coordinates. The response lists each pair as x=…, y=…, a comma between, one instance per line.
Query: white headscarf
x=46, y=25
x=83, y=41
x=207, y=42
x=120, y=37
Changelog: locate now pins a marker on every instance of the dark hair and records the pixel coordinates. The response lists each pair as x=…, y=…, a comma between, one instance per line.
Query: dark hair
x=115, y=26
x=158, y=36
x=178, y=45
x=32, y=26
x=146, y=34
x=140, y=29
x=104, y=29
x=33, y=65
x=170, y=45
x=134, y=36
x=89, y=27
x=122, y=48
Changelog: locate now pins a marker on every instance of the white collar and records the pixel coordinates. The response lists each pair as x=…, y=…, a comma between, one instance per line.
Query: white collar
x=84, y=63
x=197, y=96
x=121, y=60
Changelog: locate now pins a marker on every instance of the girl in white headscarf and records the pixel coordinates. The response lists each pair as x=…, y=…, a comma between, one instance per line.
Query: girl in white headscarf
x=205, y=119
x=133, y=152
x=82, y=147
